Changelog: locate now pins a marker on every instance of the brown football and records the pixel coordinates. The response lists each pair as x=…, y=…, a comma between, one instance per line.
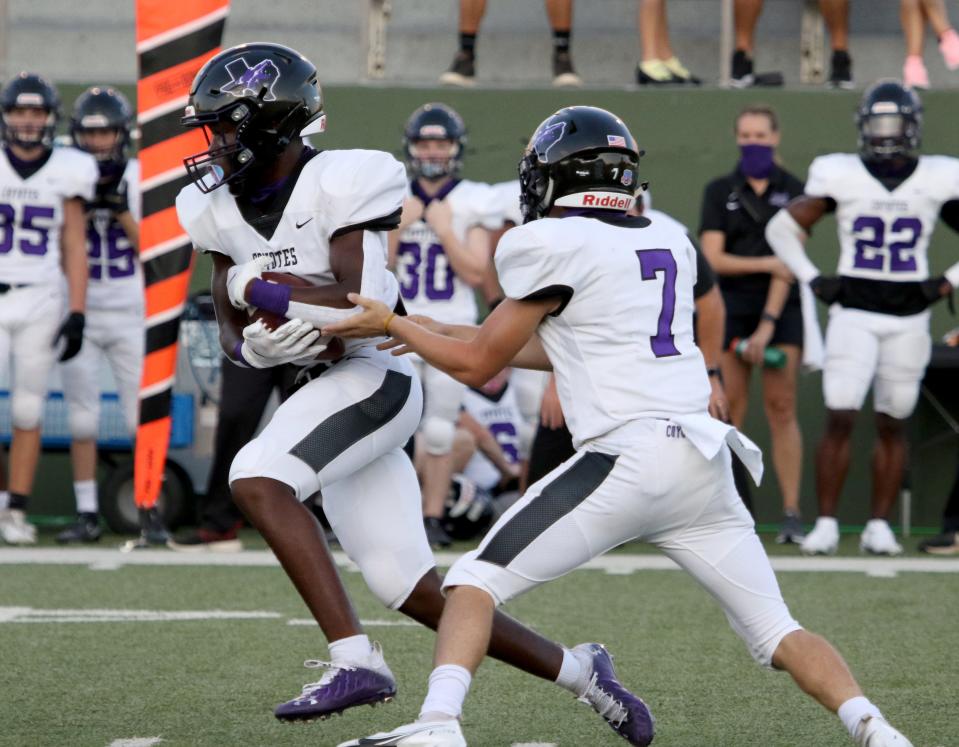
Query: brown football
x=334, y=349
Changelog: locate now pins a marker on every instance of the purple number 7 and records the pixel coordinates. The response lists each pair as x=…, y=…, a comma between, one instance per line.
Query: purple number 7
x=652, y=261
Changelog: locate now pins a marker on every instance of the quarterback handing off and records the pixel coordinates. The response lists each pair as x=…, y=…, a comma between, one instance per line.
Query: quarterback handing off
x=606, y=300
x=323, y=216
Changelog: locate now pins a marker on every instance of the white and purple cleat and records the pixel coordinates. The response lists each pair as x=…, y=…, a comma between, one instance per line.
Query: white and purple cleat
x=340, y=687
x=626, y=713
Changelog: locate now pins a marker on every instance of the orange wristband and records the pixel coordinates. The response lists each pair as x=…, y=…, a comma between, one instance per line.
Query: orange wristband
x=386, y=324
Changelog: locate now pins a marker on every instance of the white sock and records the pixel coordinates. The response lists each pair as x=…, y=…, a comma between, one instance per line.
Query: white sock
x=572, y=674
x=354, y=650
x=854, y=710
x=4, y=499
x=86, y=493
x=449, y=684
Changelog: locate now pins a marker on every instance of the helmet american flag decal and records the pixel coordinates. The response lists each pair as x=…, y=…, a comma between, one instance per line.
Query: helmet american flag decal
x=173, y=42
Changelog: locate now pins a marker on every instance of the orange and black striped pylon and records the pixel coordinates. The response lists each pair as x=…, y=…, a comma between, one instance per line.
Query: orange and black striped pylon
x=174, y=40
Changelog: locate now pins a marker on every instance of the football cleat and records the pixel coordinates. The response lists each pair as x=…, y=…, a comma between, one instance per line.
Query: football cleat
x=418, y=734
x=840, y=74
x=626, y=713
x=875, y=731
x=878, y=539
x=823, y=539
x=342, y=686
x=15, y=529
x=152, y=532
x=85, y=529
x=205, y=539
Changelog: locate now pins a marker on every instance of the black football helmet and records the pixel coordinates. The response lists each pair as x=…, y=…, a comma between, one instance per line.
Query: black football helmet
x=583, y=157
x=889, y=120
x=29, y=91
x=102, y=108
x=434, y=121
x=468, y=511
x=266, y=94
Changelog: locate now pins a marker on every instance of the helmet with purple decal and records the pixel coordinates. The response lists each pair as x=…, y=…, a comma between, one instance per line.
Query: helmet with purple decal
x=252, y=101
x=100, y=125
x=579, y=157
x=889, y=120
x=434, y=123
x=29, y=91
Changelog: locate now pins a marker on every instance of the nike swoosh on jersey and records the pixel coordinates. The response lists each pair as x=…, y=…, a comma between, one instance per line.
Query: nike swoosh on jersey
x=300, y=225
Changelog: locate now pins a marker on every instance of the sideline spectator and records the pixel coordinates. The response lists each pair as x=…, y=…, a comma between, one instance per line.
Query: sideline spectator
x=100, y=126
x=914, y=15
x=560, y=13
x=947, y=541
x=43, y=271
x=836, y=15
x=659, y=65
x=762, y=302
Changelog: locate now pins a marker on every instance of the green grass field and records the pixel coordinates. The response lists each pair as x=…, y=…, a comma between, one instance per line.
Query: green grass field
x=209, y=682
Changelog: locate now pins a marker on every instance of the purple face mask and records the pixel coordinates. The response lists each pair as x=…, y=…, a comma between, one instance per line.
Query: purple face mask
x=756, y=160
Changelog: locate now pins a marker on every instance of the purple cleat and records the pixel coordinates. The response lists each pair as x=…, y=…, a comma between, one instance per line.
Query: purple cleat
x=626, y=713
x=341, y=687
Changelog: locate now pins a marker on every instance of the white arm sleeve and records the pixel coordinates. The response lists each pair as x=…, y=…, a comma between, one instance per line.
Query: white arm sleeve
x=785, y=236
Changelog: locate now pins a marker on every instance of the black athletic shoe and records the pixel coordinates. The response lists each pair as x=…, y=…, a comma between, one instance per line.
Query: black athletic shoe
x=946, y=543
x=840, y=75
x=462, y=72
x=742, y=70
x=435, y=533
x=207, y=539
x=152, y=532
x=563, y=74
x=85, y=529
x=791, y=531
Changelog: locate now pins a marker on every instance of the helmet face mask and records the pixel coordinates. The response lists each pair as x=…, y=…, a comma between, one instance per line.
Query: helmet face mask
x=253, y=102
x=889, y=120
x=580, y=157
x=29, y=112
x=427, y=127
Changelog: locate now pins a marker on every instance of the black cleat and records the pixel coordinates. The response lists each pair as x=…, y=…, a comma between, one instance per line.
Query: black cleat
x=462, y=72
x=85, y=529
x=435, y=533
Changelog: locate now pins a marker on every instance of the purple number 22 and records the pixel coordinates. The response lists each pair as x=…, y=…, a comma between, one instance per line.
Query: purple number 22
x=651, y=262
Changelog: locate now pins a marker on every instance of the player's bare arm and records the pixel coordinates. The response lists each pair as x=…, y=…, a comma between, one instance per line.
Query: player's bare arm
x=75, y=252
x=130, y=227
x=470, y=258
x=532, y=355
x=474, y=362
x=713, y=244
x=710, y=328
x=776, y=299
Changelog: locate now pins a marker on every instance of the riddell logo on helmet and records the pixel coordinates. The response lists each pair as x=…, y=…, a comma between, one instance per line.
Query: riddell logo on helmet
x=617, y=202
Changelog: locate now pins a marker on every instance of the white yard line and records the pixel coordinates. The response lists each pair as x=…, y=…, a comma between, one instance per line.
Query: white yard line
x=364, y=623
x=37, y=615
x=616, y=564
x=534, y=744
x=135, y=742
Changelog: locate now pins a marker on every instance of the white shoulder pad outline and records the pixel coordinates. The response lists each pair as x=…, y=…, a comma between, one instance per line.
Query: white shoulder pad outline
x=359, y=186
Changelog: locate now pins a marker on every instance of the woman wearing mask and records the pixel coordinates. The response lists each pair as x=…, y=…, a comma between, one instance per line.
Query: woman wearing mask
x=762, y=301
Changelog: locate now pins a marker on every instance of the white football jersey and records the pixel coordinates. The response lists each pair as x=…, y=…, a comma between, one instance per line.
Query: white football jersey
x=428, y=283
x=31, y=213
x=622, y=345
x=116, y=278
x=883, y=234
x=507, y=195
x=336, y=190
x=500, y=416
